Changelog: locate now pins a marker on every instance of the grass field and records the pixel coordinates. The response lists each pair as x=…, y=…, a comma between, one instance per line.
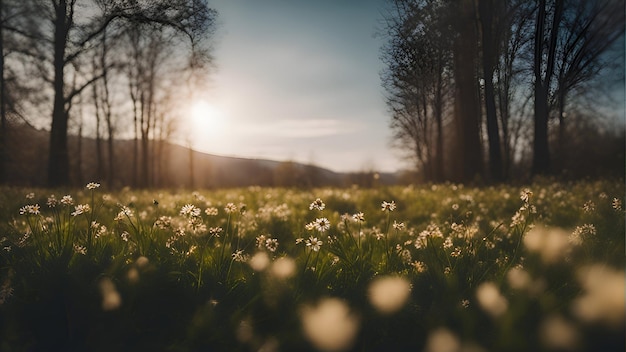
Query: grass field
x=425, y=268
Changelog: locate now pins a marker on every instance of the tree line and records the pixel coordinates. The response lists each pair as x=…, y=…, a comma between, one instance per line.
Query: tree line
x=473, y=85
x=118, y=68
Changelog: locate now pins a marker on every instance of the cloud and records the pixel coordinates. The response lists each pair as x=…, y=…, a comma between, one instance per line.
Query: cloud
x=307, y=128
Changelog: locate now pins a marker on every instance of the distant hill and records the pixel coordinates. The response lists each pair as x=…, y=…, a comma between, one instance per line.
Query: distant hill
x=170, y=166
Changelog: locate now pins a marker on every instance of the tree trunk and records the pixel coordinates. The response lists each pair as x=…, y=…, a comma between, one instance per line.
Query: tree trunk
x=99, y=157
x=466, y=107
x=58, y=162
x=3, y=111
x=489, y=55
x=439, y=176
x=541, y=146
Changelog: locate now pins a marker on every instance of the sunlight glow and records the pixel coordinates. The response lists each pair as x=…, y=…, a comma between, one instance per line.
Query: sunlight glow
x=207, y=123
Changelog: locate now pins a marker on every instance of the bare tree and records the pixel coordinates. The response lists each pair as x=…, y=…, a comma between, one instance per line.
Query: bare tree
x=418, y=59
x=590, y=29
x=74, y=33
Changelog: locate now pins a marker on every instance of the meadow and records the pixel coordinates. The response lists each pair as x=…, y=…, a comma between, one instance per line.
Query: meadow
x=447, y=267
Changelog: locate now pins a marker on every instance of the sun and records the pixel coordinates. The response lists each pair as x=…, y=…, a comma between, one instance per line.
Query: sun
x=206, y=121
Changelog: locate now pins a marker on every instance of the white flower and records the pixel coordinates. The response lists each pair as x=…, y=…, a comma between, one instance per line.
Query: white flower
x=92, y=185
x=358, y=217
x=67, y=200
x=525, y=195
x=271, y=244
x=314, y=243
x=190, y=210
x=30, y=209
x=388, y=206
x=81, y=209
x=317, y=205
x=322, y=224
x=230, y=208
x=399, y=226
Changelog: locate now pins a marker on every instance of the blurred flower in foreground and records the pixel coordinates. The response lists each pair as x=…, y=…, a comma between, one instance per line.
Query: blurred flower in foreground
x=283, y=268
x=330, y=326
x=259, y=261
x=389, y=294
x=559, y=334
x=603, y=299
x=550, y=243
x=442, y=340
x=491, y=300
x=111, y=299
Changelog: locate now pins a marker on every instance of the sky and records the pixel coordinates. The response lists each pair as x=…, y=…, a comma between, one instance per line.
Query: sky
x=298, y=80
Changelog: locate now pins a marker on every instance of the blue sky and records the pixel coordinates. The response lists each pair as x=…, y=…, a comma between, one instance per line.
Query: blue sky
x=299, y=80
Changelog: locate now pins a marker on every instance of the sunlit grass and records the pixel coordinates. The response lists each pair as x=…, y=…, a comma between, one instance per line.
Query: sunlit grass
x=401, y=268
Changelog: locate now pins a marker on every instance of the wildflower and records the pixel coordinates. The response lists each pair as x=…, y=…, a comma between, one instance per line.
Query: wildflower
x=405, y=254
x=239, y=256
x=456, y=252
x=322, y=224
x=81, y=209
x=314, y=243
x=616, y=204
x=455, y=206
x=124, y=213
x=526, y=195
x=420, y=267
x=163, y=222
x=30, y=209
x=388, y=206
x=52, y=201
x=589, y=206
x=310, y=226
x=80, y=249
x=67, y=200
x=399, y=226
x=92, y=185
x=215, y=231
x=330, y=326
x=447, y=244
x=465, y=303
x=230, y=208
x=271, y=244
x=211, y=211
x=190, y=210
x=124, y=235
x=389, y=294
x=260, y=241
x=358, y=217
x=30, y=195
x=317, y=205
x=299, y=240
x=517, y=219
